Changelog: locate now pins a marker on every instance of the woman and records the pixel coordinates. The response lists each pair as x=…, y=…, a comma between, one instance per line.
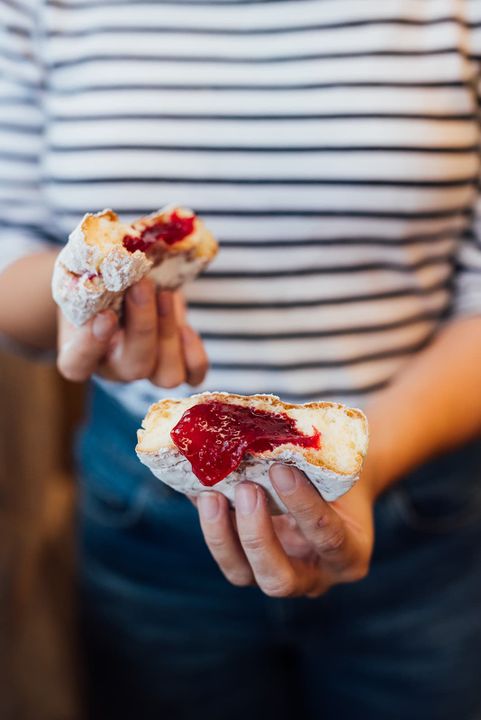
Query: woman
x=333, y=148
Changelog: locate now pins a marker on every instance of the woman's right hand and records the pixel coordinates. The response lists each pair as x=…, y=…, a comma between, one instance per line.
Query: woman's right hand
x=153, y=342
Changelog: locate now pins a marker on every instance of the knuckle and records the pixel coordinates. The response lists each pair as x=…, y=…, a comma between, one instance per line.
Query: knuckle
x=239, y=577
x=323, y=520
x=253, y=543
x=144, y=331
x=280, y=587
x=216, y=543
x=310, y=515
x=333, y=542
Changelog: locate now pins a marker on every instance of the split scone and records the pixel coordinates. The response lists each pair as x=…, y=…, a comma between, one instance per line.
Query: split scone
x=103, y=257
x=216, y=440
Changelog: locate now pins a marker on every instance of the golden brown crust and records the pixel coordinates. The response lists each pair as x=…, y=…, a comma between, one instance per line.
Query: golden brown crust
x=91, y=220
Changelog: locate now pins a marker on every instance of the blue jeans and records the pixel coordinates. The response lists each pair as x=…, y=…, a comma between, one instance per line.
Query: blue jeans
x=166, y=636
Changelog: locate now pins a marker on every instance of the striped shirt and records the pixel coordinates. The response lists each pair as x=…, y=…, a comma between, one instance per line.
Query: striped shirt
x=332, y=146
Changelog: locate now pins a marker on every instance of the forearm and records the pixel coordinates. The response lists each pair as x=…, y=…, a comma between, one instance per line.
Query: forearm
x=27, y=310
x=433, y=406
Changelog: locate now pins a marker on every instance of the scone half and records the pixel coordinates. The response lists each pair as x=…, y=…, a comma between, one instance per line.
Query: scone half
x=332, y=464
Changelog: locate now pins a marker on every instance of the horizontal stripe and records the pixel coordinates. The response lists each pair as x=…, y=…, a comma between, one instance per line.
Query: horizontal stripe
x=21, y=157
x=330, y=287
x=320, y=364
x=31, y=230
x=292, y=29
x=303, y=258
x=321, y=213
x=16, y=101
x=21, y=129
x=412, y=70
x=327, y=270
x=335, y=332
x=18, y=183
x=459, y=182
x=330, y=101
x=345, y=241
x=265, y=117
x=16, y=30
x=364, y=298
x=407, y=149
x=305, y=381
x=220, y=60
x=73, y=89
x=337, y=348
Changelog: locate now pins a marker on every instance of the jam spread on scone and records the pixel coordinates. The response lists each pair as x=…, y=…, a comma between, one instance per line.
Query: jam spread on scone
x=214, y=437
x=169, y=231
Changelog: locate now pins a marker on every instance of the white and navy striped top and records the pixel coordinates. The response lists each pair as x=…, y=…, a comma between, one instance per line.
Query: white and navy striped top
x=333, y=146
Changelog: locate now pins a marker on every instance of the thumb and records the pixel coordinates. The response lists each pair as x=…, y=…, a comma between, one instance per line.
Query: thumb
x=81, y=349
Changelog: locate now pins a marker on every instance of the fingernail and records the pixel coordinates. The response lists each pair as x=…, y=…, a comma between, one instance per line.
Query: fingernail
x=140, y=293
x=284, y=479
x=102, y=326
x=209, y=505
x=246, y=498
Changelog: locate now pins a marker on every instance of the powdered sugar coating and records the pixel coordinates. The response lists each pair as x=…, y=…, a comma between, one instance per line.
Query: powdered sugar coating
x=95, y=248
x=77, y=255
x=170, y=466
x=121, y=269
x=79, y=297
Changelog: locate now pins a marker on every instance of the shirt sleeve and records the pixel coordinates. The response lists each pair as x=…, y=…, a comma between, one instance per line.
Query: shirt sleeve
x=22, y=214
x=467, y=289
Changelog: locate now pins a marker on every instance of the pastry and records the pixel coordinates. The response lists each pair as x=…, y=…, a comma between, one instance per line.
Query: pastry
x=103, y=257
x=216, y=440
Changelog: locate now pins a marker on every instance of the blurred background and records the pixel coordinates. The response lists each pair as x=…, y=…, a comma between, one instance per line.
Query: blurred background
x=38, y=414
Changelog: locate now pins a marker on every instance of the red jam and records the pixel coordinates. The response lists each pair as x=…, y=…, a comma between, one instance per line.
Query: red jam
x=170, y=231
x=214, y=437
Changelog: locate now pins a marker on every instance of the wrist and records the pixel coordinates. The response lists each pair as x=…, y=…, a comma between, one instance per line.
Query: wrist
x=27, y=309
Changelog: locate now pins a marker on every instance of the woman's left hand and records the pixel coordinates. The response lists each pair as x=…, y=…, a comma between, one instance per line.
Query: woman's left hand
x=317, y=545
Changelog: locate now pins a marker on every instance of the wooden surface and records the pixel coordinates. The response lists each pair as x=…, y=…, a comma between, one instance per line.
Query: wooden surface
x=37, y=650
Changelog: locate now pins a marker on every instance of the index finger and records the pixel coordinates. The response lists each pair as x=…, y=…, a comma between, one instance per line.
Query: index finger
x=170, y=370
x=135, y=355
x=273, y=570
